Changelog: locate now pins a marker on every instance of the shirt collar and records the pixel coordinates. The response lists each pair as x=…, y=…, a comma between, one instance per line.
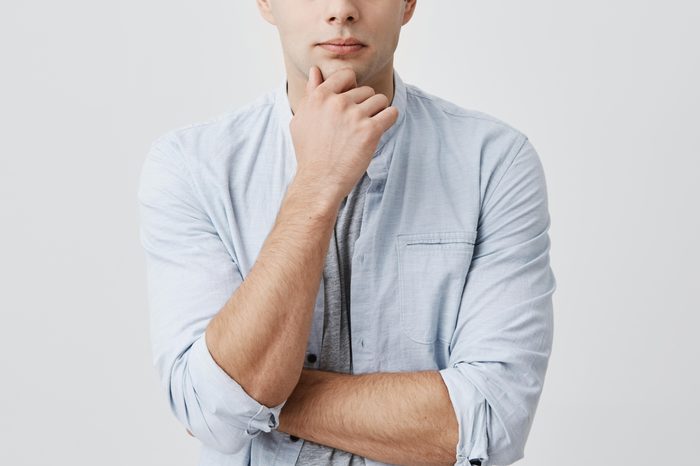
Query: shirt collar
x=383, y=158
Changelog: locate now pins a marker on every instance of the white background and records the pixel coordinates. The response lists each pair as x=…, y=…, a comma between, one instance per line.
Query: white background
x=607, y=91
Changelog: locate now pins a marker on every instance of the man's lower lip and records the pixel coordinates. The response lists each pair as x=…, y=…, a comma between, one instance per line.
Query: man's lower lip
x=342, y=49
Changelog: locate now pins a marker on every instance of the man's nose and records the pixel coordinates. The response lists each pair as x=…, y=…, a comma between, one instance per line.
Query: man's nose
x=341, y=11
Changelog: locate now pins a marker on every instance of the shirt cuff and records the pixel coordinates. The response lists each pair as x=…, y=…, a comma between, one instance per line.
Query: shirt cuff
x=471, y=410
x=222, y=396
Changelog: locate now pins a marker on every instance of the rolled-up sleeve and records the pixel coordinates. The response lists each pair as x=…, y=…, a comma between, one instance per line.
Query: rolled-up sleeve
x=190, y=276
x=501, y=345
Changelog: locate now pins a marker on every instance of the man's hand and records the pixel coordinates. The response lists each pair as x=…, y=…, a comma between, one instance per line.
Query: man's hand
x=336, y=129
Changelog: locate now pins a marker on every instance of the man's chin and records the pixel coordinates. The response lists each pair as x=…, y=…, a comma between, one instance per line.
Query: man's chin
x=328, y=68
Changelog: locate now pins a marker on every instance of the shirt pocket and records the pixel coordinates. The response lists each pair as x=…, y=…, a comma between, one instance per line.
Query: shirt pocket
x=433, y=269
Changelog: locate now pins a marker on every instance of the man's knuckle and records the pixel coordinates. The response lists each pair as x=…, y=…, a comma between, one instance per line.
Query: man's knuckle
x=338, y=102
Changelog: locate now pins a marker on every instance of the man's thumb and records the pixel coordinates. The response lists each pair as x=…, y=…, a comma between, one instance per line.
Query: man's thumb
x=315, y=79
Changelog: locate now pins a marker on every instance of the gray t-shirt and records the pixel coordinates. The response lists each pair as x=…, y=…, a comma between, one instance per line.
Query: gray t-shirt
x=336, y=353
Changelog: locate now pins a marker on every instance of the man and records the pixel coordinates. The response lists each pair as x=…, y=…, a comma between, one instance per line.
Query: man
x=348, y=270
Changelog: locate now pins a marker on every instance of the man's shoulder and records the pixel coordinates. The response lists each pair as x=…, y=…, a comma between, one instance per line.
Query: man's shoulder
x=458, y=114
x=484, y=139
x=204, y=136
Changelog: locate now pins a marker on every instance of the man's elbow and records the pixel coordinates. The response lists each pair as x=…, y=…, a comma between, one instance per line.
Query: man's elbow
x=224, y=439
x=509, y=440
x=209, y=428
x=214, y=421
x=492, y=429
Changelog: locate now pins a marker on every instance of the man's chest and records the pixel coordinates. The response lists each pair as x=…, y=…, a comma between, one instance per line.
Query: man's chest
x=409, y=260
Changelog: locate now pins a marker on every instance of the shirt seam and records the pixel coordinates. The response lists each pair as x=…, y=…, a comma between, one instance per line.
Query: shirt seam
x=232, y=113
x=505, y=172
x=467, y=113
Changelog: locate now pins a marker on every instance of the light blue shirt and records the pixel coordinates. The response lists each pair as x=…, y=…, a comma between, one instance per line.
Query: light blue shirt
x=450, y=272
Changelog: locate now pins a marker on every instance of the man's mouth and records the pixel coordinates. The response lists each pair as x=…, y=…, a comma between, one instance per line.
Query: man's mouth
x=343, y=46
x=342, y=49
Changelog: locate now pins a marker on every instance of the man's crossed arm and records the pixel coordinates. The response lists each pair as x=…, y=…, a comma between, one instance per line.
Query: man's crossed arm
x=392, y=417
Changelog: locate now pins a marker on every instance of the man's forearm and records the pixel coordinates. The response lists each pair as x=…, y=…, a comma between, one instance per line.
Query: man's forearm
x=260, y=335
x=392, y=417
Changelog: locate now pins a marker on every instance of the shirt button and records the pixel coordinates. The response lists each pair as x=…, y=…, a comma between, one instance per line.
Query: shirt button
x=293, y=438
x=311, y=358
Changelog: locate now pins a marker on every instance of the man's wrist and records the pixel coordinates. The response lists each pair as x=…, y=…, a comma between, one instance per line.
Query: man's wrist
x=319, y=198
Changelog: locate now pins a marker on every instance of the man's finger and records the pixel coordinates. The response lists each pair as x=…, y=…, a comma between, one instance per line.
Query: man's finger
x=387, y=117
x=341, y=80
x=360, y=94
x=315, y=79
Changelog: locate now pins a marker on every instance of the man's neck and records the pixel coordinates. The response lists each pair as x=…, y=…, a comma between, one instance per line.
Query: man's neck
x=384, y=84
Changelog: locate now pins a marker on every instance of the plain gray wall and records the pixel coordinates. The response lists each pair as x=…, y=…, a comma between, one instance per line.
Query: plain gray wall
x=607, y=92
